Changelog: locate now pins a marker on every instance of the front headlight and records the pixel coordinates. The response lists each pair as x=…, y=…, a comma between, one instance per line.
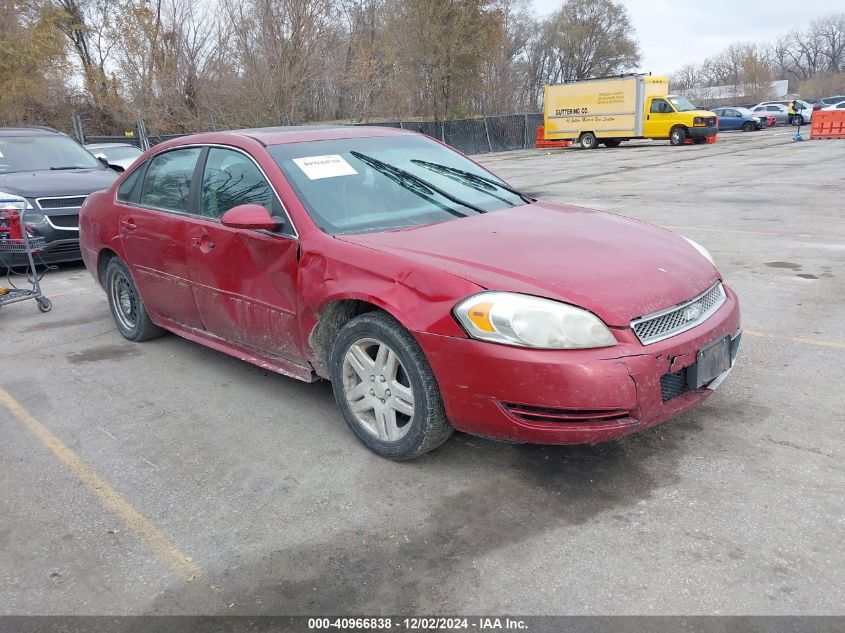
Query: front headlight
x=700, y=249
x=526, y=321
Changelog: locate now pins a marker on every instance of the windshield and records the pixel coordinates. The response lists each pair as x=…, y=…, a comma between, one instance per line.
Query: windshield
x=682, y=104
x=361, y=185
x=117, y=153
x=43, y=153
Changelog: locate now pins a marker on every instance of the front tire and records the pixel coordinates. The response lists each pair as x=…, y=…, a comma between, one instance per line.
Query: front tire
x=678, y=136
x=385, y=388
x=127, y=309
x=612, y=142
x=748, y=126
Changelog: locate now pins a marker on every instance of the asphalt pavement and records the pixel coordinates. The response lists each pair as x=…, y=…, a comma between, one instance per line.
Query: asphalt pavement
x=165, y=477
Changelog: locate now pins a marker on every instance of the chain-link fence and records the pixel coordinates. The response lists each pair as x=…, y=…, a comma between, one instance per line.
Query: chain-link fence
x=480, y=135
x=471, y=136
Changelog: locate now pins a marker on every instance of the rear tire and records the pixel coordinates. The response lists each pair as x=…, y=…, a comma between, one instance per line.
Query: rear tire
x=385, y=388
x=127, y=309
x=678, y=136
x=588, y=140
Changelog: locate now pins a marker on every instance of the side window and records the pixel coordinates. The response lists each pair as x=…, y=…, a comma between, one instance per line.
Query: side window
x=659, y=105
x=167, y=183
x=773, y=108
x=231, y=178
x=124, y=191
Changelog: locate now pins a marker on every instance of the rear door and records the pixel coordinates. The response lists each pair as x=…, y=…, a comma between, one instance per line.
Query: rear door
x=153, y=229
x=244, y=281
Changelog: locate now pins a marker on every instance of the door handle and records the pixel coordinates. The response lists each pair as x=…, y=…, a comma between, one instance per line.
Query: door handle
x=129, y=224
x=195, y=242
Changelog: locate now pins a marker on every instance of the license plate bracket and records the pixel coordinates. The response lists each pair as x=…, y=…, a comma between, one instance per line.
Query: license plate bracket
x=711, y=360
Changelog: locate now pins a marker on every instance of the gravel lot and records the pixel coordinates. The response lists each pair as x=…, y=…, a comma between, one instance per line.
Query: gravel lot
x=168, y=478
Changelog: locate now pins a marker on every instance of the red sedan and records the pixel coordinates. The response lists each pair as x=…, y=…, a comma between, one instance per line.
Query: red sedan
x=432, y=294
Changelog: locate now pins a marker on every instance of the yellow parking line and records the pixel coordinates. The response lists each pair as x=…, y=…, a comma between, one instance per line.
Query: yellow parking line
x=134, y=520
x=795, y=339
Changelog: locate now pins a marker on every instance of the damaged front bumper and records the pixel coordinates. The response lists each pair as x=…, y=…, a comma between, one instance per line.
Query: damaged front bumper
x=574, y=396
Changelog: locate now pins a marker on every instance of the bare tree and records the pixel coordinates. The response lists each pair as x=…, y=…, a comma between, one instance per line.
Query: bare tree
x=590, y=38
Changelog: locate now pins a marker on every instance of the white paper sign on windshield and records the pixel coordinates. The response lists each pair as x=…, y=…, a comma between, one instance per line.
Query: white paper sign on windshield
x=316, y=167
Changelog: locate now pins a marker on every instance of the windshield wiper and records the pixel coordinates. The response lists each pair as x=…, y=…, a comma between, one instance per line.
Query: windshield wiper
x=67, y=167
x=405, y=178
x=484, y=183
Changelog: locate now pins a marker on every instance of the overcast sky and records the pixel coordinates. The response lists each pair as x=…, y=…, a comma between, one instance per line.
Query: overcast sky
x=675, y=32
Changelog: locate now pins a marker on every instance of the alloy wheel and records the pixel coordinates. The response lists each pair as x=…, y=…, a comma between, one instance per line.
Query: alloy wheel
x=377, y=389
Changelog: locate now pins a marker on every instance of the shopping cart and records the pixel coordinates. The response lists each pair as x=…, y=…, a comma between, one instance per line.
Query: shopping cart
x=15, y=241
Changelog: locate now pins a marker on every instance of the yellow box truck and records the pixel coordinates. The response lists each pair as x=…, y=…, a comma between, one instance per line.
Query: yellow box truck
x=615, y=109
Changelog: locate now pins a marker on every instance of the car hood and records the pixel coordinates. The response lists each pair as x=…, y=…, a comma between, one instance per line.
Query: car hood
x=614, y=266
x=76, y=182
x=703, y=113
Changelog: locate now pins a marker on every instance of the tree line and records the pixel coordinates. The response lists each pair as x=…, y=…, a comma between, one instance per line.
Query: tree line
x=186, y=65
x=811, y=58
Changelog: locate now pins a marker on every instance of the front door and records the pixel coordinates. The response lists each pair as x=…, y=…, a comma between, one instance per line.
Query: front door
x=244, y=281
x=730, y=120
x=659, y=118
x=153, y=230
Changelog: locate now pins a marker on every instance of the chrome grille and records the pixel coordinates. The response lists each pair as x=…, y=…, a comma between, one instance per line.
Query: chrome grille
x=660, y=325
x=66, y=202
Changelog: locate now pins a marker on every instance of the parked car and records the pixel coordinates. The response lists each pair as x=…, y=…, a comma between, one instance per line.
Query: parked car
x=432, y=294
x=835, y=106
x=779, y=112
x=735, y=118
x=121, y=154
x=804, y=115
x=54, y=174
x=828, y=101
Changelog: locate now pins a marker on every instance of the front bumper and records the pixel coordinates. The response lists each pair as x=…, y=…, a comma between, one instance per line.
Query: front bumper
x=703, y=132
x=569, y=396
x=55, y=252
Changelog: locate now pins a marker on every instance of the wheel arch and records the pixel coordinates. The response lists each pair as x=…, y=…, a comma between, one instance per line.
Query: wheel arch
x=331, y=318
x=103, y=258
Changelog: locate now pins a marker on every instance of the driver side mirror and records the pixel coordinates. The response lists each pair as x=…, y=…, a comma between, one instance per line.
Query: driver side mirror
x=253, y=217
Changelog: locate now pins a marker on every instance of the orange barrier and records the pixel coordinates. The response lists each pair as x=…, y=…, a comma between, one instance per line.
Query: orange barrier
x=542, y=143
x=828, y=124
x=707, y=139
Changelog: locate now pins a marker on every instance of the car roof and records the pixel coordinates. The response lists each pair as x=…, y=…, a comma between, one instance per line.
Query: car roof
x=39, y=130
x=290, y=134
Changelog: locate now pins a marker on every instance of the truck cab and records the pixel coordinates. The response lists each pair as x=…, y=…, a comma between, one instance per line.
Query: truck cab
x=675, y=118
